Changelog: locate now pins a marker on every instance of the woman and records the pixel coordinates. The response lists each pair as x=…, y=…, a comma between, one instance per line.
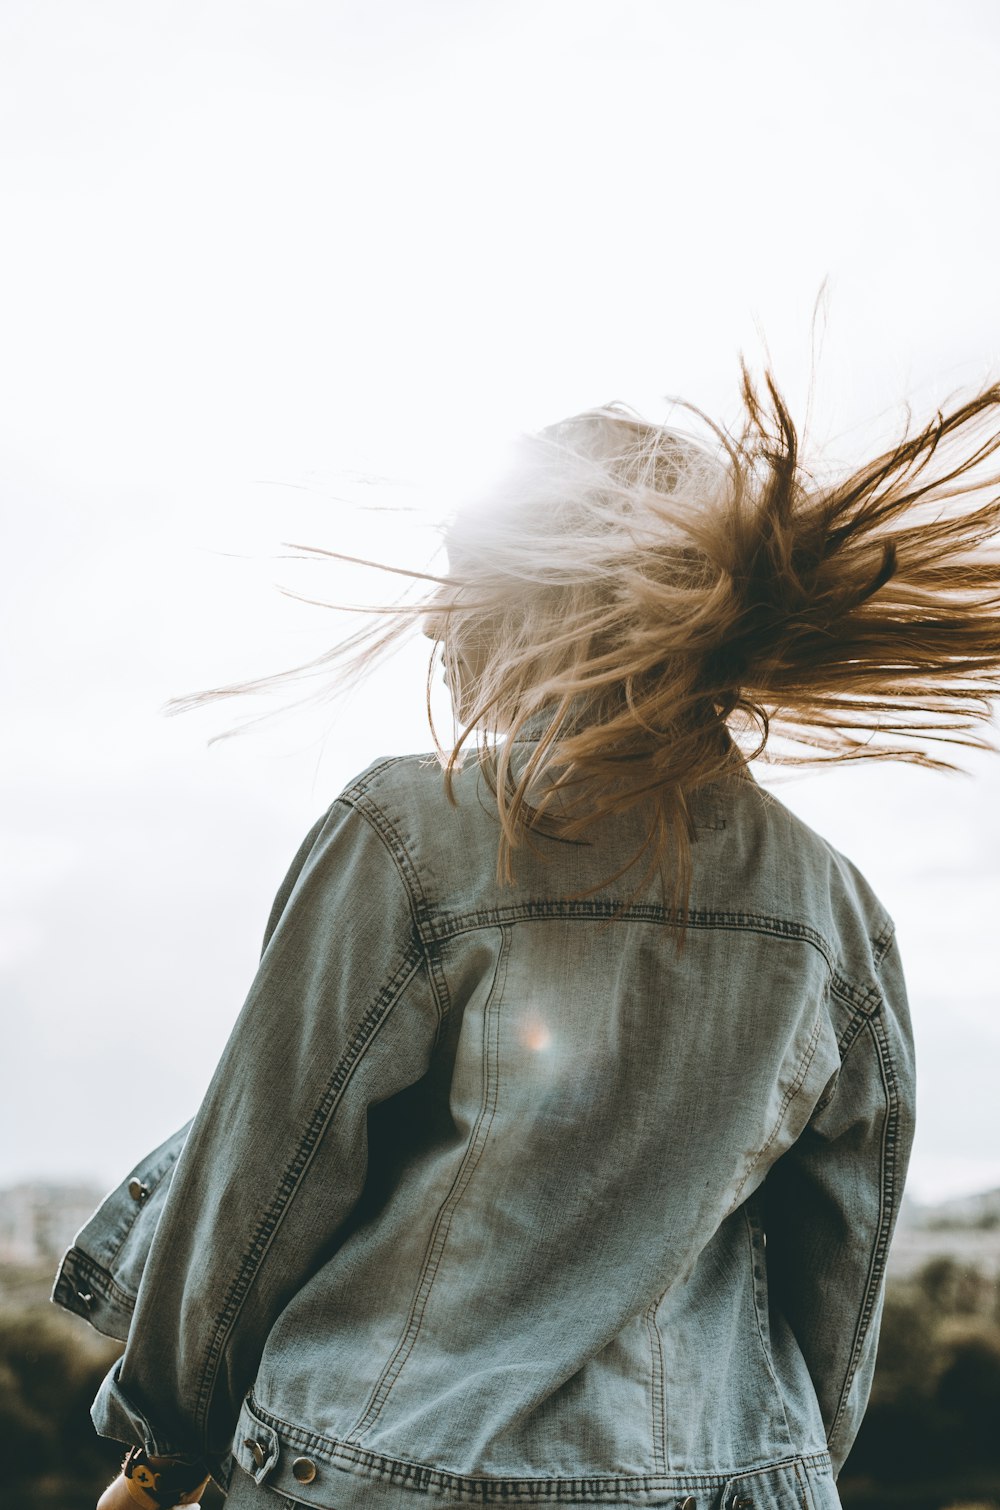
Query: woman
x=556, y=1153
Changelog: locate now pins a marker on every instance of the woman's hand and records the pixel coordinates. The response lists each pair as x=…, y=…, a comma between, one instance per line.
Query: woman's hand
x=151, y=1483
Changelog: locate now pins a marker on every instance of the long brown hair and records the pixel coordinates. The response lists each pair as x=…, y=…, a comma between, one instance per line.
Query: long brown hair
x=655, y=608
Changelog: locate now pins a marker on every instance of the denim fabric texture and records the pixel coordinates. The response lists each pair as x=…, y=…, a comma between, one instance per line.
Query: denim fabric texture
x=496, y=1195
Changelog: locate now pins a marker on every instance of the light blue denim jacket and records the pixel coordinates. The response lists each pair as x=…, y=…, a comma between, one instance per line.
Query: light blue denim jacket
x=498, y=1195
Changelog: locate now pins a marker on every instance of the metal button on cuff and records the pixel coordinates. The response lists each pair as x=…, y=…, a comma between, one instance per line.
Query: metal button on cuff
x=137, y=1190
x=687, y=1503
x=259, y=1451
x=303, y=1470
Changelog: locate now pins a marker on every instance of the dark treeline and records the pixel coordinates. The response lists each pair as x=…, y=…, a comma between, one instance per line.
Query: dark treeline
x=930, y=1440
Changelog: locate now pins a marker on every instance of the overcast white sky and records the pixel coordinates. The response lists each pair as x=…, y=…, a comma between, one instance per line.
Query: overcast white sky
x=257, y=254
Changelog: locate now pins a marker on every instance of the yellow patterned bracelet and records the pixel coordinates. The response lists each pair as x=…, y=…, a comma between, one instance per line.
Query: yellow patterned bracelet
x=160, y=1483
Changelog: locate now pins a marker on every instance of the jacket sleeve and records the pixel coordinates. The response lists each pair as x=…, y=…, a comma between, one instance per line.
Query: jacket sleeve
x=831, y=1205
x=341, y=1015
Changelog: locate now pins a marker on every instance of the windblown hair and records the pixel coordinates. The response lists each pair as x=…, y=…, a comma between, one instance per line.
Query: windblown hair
x=653, y=610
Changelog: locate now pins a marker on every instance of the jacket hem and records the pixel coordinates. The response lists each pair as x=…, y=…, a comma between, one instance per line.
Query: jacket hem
x=356, y=1477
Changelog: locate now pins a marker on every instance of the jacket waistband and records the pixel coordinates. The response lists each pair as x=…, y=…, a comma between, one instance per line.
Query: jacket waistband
x=328, y=1474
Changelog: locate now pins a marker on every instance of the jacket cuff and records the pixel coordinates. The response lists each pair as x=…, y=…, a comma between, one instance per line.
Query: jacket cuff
x=116, y=1416
x=88, y=1290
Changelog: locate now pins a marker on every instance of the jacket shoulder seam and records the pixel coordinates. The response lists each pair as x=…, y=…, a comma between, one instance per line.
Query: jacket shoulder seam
x=392, y=841
x=361, y=802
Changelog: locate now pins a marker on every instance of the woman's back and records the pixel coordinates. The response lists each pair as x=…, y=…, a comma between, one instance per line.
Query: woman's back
x=501, y=1162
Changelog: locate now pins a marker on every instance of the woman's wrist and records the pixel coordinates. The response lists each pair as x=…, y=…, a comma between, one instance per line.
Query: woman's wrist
x=154, y=1483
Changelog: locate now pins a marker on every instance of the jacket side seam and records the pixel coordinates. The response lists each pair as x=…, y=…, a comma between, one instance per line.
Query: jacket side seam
x=765, y=1341
x=887, y=1197
x=656, y=1387
x=442, y=1224
x=291, y=1179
